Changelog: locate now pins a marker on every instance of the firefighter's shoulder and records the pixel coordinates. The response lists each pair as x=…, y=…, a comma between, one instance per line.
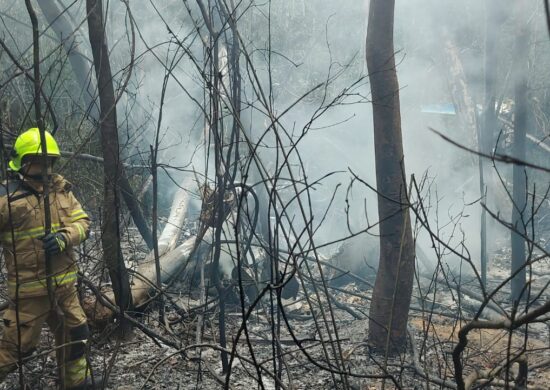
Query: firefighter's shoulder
x=9, y=187
x=61, y=184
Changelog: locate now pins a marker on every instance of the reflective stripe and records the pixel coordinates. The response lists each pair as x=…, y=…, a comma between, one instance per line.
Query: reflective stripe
x=38, y=232
x=79, y=217
x=78, y=214
x=40, y=284
x=35, y=232
x=81, y=232
x=76, y=371
x=60, y=242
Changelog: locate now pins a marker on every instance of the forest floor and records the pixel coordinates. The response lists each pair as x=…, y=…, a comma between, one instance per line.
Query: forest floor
x=139, y=362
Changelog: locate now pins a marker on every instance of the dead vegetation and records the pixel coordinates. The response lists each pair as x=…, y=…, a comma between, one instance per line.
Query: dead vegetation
x=231, y=287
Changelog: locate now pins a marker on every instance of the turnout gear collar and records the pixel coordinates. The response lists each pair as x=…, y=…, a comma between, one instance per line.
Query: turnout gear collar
x=56, y=183
x=28, y=144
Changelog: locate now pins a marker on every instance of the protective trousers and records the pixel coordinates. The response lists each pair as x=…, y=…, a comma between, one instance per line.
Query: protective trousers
x=71, y=333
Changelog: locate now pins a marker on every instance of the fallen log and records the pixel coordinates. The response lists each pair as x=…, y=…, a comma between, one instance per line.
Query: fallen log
x=173, y=228
x=171, y=263
x=171, y=259
x=166, y=242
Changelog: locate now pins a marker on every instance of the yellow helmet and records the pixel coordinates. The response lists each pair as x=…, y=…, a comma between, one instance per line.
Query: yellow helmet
x=28, y=144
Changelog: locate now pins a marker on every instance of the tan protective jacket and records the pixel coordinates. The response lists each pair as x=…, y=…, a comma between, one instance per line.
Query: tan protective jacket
x=22, y=226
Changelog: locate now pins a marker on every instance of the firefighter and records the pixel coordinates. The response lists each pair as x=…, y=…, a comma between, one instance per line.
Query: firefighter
x=25, y=245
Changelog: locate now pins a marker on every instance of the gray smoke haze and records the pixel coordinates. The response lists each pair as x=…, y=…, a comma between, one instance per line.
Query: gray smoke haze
x=313, y=41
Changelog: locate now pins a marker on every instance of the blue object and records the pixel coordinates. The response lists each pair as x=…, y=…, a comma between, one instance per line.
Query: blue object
x=441, y=108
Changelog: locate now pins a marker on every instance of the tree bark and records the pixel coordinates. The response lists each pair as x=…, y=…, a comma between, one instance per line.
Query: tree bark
x=110, y=238
x=488, y=130
x=393, y=287
x=519, y=195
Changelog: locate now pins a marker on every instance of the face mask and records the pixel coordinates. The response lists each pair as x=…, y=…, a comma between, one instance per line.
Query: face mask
x=37, y=177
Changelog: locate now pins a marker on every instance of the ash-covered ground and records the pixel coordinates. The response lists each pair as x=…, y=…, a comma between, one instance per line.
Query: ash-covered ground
x=192, y=359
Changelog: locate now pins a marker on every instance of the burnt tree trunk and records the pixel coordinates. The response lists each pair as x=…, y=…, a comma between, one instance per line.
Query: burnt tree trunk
x=394, y=280
x=519, y=196
x=110, y=237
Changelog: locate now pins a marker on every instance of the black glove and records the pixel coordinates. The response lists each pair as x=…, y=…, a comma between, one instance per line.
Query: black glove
x=54, y=243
